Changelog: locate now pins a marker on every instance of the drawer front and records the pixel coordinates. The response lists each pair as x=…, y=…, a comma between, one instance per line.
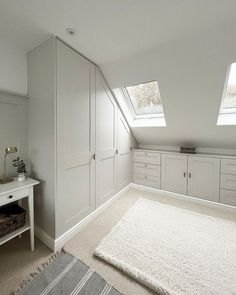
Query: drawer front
x=147, y=157
x=146, y=169
x=228, y=197
x=151, y=181
x=228, y=166
x=11, y=197
x=228, y=181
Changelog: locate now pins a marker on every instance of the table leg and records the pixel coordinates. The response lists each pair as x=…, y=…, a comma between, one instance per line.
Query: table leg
x=31, y=217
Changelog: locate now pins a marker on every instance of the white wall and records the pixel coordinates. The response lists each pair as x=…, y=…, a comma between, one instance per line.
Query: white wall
x=13, y=129
x=191, y=73
x=13, y=69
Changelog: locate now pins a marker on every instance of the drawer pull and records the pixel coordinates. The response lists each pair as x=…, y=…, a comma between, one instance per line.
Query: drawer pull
x=10, y=197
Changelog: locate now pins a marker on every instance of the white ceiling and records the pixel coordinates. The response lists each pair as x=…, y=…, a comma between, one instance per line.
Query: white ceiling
x=185, y=44
x=108, y=30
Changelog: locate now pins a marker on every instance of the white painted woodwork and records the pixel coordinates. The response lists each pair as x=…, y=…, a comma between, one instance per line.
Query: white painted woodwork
x=124, y=153
x=174, y=173
x=106, y=141
x=13, y=129
x=16, y=191
x=228, y=166
x=146, y=169
x=228, y=181
x=75, y=137
x=203, y=178
x=228, y=197
x=147, y=180
x=147, y=157
x=64, y=113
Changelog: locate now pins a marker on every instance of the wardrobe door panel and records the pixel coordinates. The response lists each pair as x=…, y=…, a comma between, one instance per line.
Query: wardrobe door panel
x=75, y=137
x=204, y=178
x=106, y=112
x=174, y=173
x=124, y=153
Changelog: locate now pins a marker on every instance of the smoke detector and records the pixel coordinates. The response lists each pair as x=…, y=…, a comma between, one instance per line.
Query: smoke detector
x=70, y=31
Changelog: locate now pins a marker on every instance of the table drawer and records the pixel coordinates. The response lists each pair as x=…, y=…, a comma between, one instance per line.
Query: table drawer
x=151, y=181
x=228, y=166
x=146, y=169
x=228, y=197
x=14, y=196
x=147, y=157
x=228, y=181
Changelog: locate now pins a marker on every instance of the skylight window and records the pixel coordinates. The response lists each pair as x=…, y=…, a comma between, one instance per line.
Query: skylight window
x=145, y=98
x=227, y=114
x=142, y=104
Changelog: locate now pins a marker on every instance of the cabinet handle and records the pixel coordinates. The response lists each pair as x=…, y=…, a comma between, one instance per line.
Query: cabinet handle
x=10, y=197
x=184, y=174
x=117, y=151
x=189, y=175
x=94, y=157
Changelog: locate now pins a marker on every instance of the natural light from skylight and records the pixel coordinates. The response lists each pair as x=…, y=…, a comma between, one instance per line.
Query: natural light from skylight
x=142, y=104
x=145, y=98
x=227, y=114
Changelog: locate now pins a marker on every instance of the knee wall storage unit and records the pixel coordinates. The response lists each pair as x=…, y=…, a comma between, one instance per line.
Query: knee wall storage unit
x=209, y=177
x=79, y=142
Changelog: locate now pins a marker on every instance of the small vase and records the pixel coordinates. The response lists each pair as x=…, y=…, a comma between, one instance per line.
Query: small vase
x=21, y=177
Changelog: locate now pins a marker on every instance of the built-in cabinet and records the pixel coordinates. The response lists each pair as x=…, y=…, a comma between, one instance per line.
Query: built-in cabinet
x=211, y=178
x=79, y=142
x=228, y=182
x=174, y=173
x=203, y=178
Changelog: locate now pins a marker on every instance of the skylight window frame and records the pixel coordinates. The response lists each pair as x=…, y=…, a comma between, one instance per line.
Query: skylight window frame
x=132, y=108
x=227, y=115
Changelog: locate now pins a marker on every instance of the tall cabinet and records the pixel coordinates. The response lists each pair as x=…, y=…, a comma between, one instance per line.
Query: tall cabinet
x=79, y=142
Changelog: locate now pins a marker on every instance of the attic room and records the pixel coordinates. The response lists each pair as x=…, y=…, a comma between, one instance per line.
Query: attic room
x=118, y=147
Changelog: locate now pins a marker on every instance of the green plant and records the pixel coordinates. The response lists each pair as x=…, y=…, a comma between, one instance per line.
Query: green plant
x=20, y=165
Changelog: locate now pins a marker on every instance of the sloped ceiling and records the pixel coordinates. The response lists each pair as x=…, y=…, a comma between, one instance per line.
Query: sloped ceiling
x=191, y=72
x=185, y=44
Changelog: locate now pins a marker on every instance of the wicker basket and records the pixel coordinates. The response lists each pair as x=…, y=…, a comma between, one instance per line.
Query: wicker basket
x=12, y=217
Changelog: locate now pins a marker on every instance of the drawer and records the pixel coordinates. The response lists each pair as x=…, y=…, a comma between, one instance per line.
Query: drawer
x=151, y=181
x=11, y=197
x=228, y=197
x=228, y=181
x=147, y=157
x=228, y=166
x=146, y=169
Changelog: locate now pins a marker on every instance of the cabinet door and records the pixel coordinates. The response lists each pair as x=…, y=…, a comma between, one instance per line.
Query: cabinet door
x=124, y=157
x=75, y=137
x=106, y=112
x=174, y=173
x=203, y=178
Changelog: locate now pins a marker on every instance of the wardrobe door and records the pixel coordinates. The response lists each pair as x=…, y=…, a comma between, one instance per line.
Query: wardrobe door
x=174, y=173
x=75, y=137
x=124, y=157
x=106, y=112
x=204, y=178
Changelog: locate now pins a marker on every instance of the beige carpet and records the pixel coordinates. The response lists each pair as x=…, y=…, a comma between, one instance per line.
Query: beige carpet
x=16, y=261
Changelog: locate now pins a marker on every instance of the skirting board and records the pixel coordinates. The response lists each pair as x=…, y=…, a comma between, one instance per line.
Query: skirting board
x=186, y=198
x=56, y=244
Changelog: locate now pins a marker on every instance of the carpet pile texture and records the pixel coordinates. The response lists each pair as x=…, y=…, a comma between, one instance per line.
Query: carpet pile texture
x=172, y=250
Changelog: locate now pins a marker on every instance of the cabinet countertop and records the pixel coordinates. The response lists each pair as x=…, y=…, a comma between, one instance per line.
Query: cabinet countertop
x=186, y=154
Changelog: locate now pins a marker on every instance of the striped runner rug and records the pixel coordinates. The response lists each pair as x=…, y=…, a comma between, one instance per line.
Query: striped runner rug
x=68, y=275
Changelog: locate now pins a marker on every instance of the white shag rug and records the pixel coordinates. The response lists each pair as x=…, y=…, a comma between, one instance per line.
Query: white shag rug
x=173, y=250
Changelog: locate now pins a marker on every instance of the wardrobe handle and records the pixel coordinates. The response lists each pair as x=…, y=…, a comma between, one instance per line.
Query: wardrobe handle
x=189, y=175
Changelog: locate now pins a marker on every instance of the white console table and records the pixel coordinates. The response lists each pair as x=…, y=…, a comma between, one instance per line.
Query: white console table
x=16, y=191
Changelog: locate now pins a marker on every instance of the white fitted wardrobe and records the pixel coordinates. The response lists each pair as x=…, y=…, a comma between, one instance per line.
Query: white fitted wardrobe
x=208, y=177
x=79, y=142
